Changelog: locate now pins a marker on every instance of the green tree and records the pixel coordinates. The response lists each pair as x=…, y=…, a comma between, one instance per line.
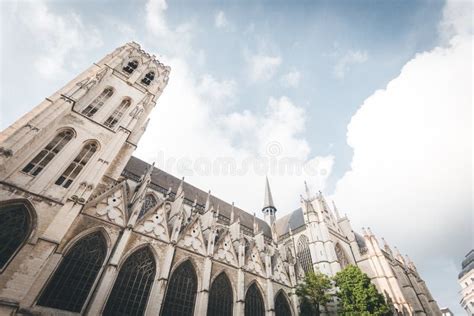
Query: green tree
x=358, y=295
x=313, y=293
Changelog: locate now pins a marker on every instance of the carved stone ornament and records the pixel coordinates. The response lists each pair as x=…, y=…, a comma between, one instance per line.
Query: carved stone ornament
x=225, y=252
x=155, y=224
x=254, y=263
x=193, y=238
x=112, y=208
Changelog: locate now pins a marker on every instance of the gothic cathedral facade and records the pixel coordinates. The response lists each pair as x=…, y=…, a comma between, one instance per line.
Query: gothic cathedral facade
x=88, y=229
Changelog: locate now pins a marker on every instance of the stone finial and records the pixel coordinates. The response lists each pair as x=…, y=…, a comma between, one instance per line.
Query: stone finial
x=232, y=215
x=208, y=201
x=268, y=201
x=336, y=211
x=306, y=188
x=180, y=187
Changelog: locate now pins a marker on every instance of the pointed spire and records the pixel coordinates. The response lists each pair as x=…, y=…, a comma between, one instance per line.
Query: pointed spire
x=336, y=211
x=208, y=201
x=180, y=188
x=306, y=188
x=255, y=228
x=232, y=213
x=268, y=202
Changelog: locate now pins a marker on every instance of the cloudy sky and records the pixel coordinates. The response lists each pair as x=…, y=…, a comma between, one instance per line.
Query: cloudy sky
x=368, y=101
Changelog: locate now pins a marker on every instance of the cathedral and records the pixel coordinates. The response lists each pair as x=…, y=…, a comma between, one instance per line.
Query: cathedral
x=88, y=229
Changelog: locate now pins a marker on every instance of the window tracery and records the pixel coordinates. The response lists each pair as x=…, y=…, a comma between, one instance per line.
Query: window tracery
x=72, y=281
x=304, y=255
x=132, y=287
x=114, y=118
x=131, y=66
x=77, y=165
x=44, y=157
x=181, y=293
x=15, y=227
x=282, y=307
x=254, y=305
x=97, y=103
x=220, y=297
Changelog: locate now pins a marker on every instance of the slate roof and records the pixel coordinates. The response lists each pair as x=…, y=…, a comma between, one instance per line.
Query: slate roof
x=293, y=220
x=163, y=180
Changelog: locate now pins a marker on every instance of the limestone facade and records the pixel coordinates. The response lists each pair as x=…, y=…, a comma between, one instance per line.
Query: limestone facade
x=67, y=166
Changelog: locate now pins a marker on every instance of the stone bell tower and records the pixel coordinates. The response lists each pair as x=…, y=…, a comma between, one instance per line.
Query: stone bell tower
x=72, y=144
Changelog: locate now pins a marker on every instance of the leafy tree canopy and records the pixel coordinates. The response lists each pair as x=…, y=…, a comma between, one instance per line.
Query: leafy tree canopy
x=358, y=295
x=313, y=292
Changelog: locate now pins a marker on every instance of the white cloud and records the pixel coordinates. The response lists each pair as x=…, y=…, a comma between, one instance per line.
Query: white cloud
x=60, y=38
x=262, y=67
x=220, y=20
x=176, y=41
x=195, y=135
x=291, y=79
x=347, y=60
x=216, y=92
x=411, y=173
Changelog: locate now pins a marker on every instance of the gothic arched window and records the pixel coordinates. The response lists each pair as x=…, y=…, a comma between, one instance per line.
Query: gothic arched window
x=282, y=307
x=131, y=66
x=131, y=290
x=148, y=78
x=341, y=256
x=181, y=294
x=220, y=297
x=98, y=102
x=72, y=281
x=254, y=305
x=45, y=156
x=15, y=227
x=303, y=254
x=77, y=165
x=149, y=202
x=117, y=114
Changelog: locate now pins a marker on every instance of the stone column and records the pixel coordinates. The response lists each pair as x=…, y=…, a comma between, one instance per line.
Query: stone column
x=203, y=295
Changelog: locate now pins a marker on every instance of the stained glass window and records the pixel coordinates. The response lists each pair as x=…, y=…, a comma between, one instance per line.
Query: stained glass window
x=45, y=156
x=282, y=307
x=131, y=290
x=254, y=305
x=220, y=297
x=303, y=254
x=15, y=227
x=181, y=294
x=72, y=281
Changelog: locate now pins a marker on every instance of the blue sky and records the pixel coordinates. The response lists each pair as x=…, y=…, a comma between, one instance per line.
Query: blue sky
x=374, y=96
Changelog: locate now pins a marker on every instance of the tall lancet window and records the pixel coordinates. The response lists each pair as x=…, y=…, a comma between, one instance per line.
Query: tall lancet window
x=131, y=290
x=15, y=227
x=149, y=202
x=72, y=281
x=254, y=305
x=181, y=293
x=282, y=307
x=44, y=157
x=114, y=118
x=303, y=254
x=77, y=165
x=98, y=102
x=341, y=256
x=148, y=78
x=220, y=297
x=131, y=66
